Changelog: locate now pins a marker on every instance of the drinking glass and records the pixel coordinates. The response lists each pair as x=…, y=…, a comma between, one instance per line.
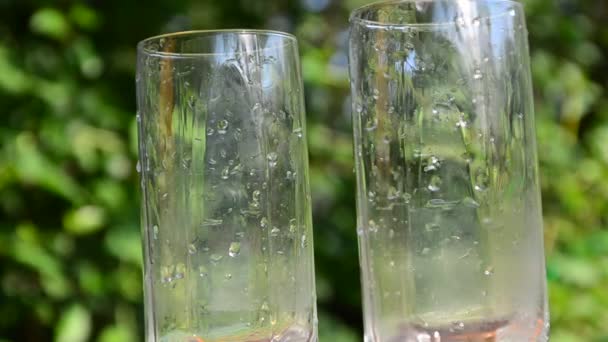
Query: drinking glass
x=226, y=213
x=448, y=201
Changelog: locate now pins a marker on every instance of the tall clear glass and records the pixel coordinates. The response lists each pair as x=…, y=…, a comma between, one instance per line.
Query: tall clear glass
x=449, y=211
x=226, y=213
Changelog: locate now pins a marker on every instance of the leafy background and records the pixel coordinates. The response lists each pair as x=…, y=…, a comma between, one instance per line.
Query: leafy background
x=69, y=234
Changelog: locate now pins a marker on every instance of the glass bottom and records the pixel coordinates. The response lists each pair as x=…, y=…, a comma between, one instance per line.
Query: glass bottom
x=479, y=331
x=292, y=334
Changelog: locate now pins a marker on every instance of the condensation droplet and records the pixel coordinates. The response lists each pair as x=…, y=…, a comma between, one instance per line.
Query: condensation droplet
x=180, y=270
x=155, y=232
x=434, y=184
x=371, y=124
x=298, y=132
x=228, y=276
x=275, y=231
x=488, y=271
x=192, y=249
x=225, y=173
x=138, y=167
x=372, y=226
x=272, y=159
x=476, y=21
x=234, y=249
x=215, y=258
x=293, y=225
x=460, y=21
x=222, y=126
x=481, y=180
x=462, y=123
x=303, y=241
x=202, y=271
x=469, y=202
x=477, y=75
x=210, y=131
x=512, y=12
x=264, y=222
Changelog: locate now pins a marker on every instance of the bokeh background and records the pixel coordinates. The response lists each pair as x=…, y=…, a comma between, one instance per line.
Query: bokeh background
x=69, y=208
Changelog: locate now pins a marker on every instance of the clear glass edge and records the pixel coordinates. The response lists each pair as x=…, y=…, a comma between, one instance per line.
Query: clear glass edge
x=289, y=38
x=355, y=15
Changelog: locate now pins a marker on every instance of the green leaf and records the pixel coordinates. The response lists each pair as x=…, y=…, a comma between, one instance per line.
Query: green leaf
x=12, y=78
x=50, y=22
x=125, y=244
x=33, y=167
x=115, y=333
x=74, y=325
x=84, y=17
x=85, y=220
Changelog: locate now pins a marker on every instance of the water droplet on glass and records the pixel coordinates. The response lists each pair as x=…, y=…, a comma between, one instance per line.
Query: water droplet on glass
x=426, y=251
x=264, y=222
x=372, y=226
x=275, y=231
x=512, y=12
x=476, y=21
x=228, y=276
x=469, y=202
x=303, y=241
x=371, y=124
x=202, y=271
x=376, y=94
x=180, y=270
x=460, y=21
x=488, y=271
x=434, y=184
x=298, y=132
x=430, y=227
x=481, y=179
x=138, y=118
x=222, y=126
x=138, y=167
x=477, y=75
x=155, y=232
x=215, y=258
x=432, y=164
x=468, y=157
x=235, y=249
x=210, y=131
x=293, y=225
x=192, y=249
x=272, y=159
x=225, y=173
x=461, y=123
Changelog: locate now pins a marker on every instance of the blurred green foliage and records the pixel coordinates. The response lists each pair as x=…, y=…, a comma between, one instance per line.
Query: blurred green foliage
x=69, y=232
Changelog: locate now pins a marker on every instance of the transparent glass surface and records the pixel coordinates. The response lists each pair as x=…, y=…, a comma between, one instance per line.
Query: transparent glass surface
x=226, y=213
x=448, y=201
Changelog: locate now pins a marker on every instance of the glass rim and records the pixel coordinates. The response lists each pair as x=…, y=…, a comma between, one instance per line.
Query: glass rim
x=355, y=16
x=141, y=48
